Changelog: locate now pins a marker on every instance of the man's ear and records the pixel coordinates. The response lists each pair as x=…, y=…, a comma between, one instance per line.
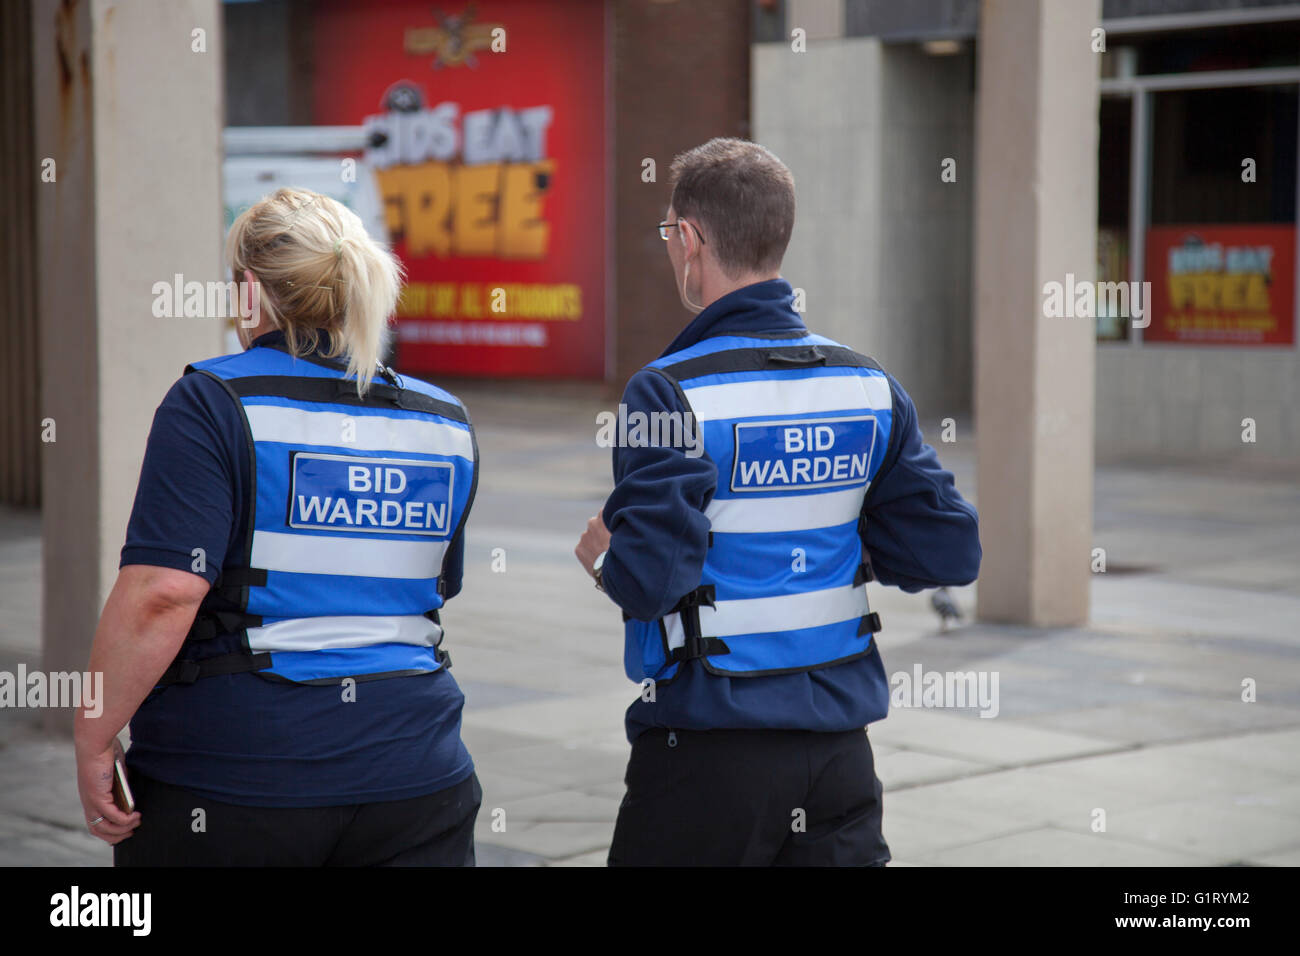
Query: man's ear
x=689, y=242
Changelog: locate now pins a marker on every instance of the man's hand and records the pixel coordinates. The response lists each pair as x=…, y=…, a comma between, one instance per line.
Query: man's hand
x=593, y=542
x=95, y=783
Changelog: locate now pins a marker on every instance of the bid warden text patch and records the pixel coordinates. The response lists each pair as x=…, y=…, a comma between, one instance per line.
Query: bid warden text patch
x=803, y=454
x=394, y=495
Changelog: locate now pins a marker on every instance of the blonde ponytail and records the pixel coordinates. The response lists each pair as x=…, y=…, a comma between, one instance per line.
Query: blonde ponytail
x=317, y=268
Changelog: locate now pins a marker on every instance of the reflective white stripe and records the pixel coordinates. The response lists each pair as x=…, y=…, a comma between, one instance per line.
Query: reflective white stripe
x=786, y=612
x=673, y=627
x=326, y=633
x=298, y=426
x=752, y=515
x=364, y=557
x=771, y=396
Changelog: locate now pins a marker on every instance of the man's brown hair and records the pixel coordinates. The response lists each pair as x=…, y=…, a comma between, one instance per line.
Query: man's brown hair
x=743, y=196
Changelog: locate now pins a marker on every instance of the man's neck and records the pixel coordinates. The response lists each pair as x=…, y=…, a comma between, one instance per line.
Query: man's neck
x=715, y=290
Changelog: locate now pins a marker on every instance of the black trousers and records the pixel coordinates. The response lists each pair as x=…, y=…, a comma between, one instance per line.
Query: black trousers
x=432, y=830
x=750, y=798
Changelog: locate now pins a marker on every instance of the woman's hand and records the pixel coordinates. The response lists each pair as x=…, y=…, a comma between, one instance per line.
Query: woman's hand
x=95, y=785
x=143, y=625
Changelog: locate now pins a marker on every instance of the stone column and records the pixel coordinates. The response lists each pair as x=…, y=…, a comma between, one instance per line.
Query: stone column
x=1036, y=213
x=129, y=107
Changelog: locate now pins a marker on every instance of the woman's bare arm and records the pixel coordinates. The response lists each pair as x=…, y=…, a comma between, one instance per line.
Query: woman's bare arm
x=140, y=631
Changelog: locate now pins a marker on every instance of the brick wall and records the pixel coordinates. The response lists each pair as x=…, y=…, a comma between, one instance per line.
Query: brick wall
x=680, y=77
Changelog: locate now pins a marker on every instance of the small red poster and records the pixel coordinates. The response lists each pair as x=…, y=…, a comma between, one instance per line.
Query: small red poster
x=1222, y=285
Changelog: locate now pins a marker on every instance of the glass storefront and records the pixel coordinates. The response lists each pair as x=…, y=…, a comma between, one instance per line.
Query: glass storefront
x=1197, y=174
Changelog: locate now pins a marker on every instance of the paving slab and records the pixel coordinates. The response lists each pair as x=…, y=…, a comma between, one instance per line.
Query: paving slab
x=1168, y=720
x=595, y=858
x=552, y=840
x=1051, y=847
x=985, y=740
x=1217, y=828
x=899, y=768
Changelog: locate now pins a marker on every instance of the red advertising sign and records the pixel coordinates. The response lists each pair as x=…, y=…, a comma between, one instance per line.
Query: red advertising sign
x=486, y=130
x=1222, y=285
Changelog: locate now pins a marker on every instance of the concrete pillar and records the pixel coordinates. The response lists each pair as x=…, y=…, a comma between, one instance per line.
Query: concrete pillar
x=819, y=19
x=1036, y=213
x=129, y=107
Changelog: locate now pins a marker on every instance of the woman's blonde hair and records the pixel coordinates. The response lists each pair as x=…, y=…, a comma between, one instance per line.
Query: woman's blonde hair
x=317, y=268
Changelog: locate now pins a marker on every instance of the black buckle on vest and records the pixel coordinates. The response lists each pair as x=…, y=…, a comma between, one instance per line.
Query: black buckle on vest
x=187, y=672
x=864, y=572
x=703, y=596
x=869, y=624
x=697, y=646
x=210, y=624
x=444, y=657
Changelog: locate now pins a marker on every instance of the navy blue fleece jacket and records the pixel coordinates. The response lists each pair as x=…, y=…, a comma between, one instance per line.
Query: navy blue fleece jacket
x=920, y=534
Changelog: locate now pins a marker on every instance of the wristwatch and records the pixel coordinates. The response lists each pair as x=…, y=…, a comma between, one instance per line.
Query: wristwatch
x=598, y=570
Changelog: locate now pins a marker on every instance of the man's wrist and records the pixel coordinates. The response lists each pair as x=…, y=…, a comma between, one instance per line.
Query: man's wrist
x=598, y=570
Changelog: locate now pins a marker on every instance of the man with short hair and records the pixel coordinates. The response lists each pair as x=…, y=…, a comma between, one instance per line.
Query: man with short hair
x=741, y=571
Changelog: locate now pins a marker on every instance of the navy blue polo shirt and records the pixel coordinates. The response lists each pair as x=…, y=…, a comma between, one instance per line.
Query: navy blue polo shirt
x=920, y=533
x=241, y=738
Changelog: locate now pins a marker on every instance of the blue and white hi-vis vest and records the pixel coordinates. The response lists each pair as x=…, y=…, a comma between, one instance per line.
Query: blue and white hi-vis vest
x=797, y=426
x=355, y=503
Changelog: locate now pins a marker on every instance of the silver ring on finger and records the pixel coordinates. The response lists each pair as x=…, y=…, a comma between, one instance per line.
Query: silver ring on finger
x=95, y=822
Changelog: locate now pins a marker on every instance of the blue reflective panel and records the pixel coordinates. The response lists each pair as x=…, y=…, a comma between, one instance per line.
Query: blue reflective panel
x=803, y=454
x=393, y=495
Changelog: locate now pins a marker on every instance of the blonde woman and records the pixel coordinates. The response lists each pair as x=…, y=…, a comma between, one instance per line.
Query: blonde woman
x=273, y=636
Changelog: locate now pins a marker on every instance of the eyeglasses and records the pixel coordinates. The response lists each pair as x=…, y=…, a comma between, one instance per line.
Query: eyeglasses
x=665, y=226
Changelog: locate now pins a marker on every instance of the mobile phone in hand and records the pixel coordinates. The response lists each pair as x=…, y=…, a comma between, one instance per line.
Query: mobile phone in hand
x=121, y=789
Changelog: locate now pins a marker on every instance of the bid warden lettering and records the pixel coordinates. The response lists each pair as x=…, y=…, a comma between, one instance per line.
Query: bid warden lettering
x=803, y=455
x=339, y=493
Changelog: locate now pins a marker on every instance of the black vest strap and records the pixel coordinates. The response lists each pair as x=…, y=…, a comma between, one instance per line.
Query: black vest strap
x=865, y=573
x=703, y=596
x=234, y=581
x=767, y=358
x=696, y=644
x=242, y=578
x=444, y=658
x=187, y=671
x=343, y=391
x=210, y=624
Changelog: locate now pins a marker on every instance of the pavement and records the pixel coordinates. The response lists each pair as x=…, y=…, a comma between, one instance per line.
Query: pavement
x=1124, y=743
